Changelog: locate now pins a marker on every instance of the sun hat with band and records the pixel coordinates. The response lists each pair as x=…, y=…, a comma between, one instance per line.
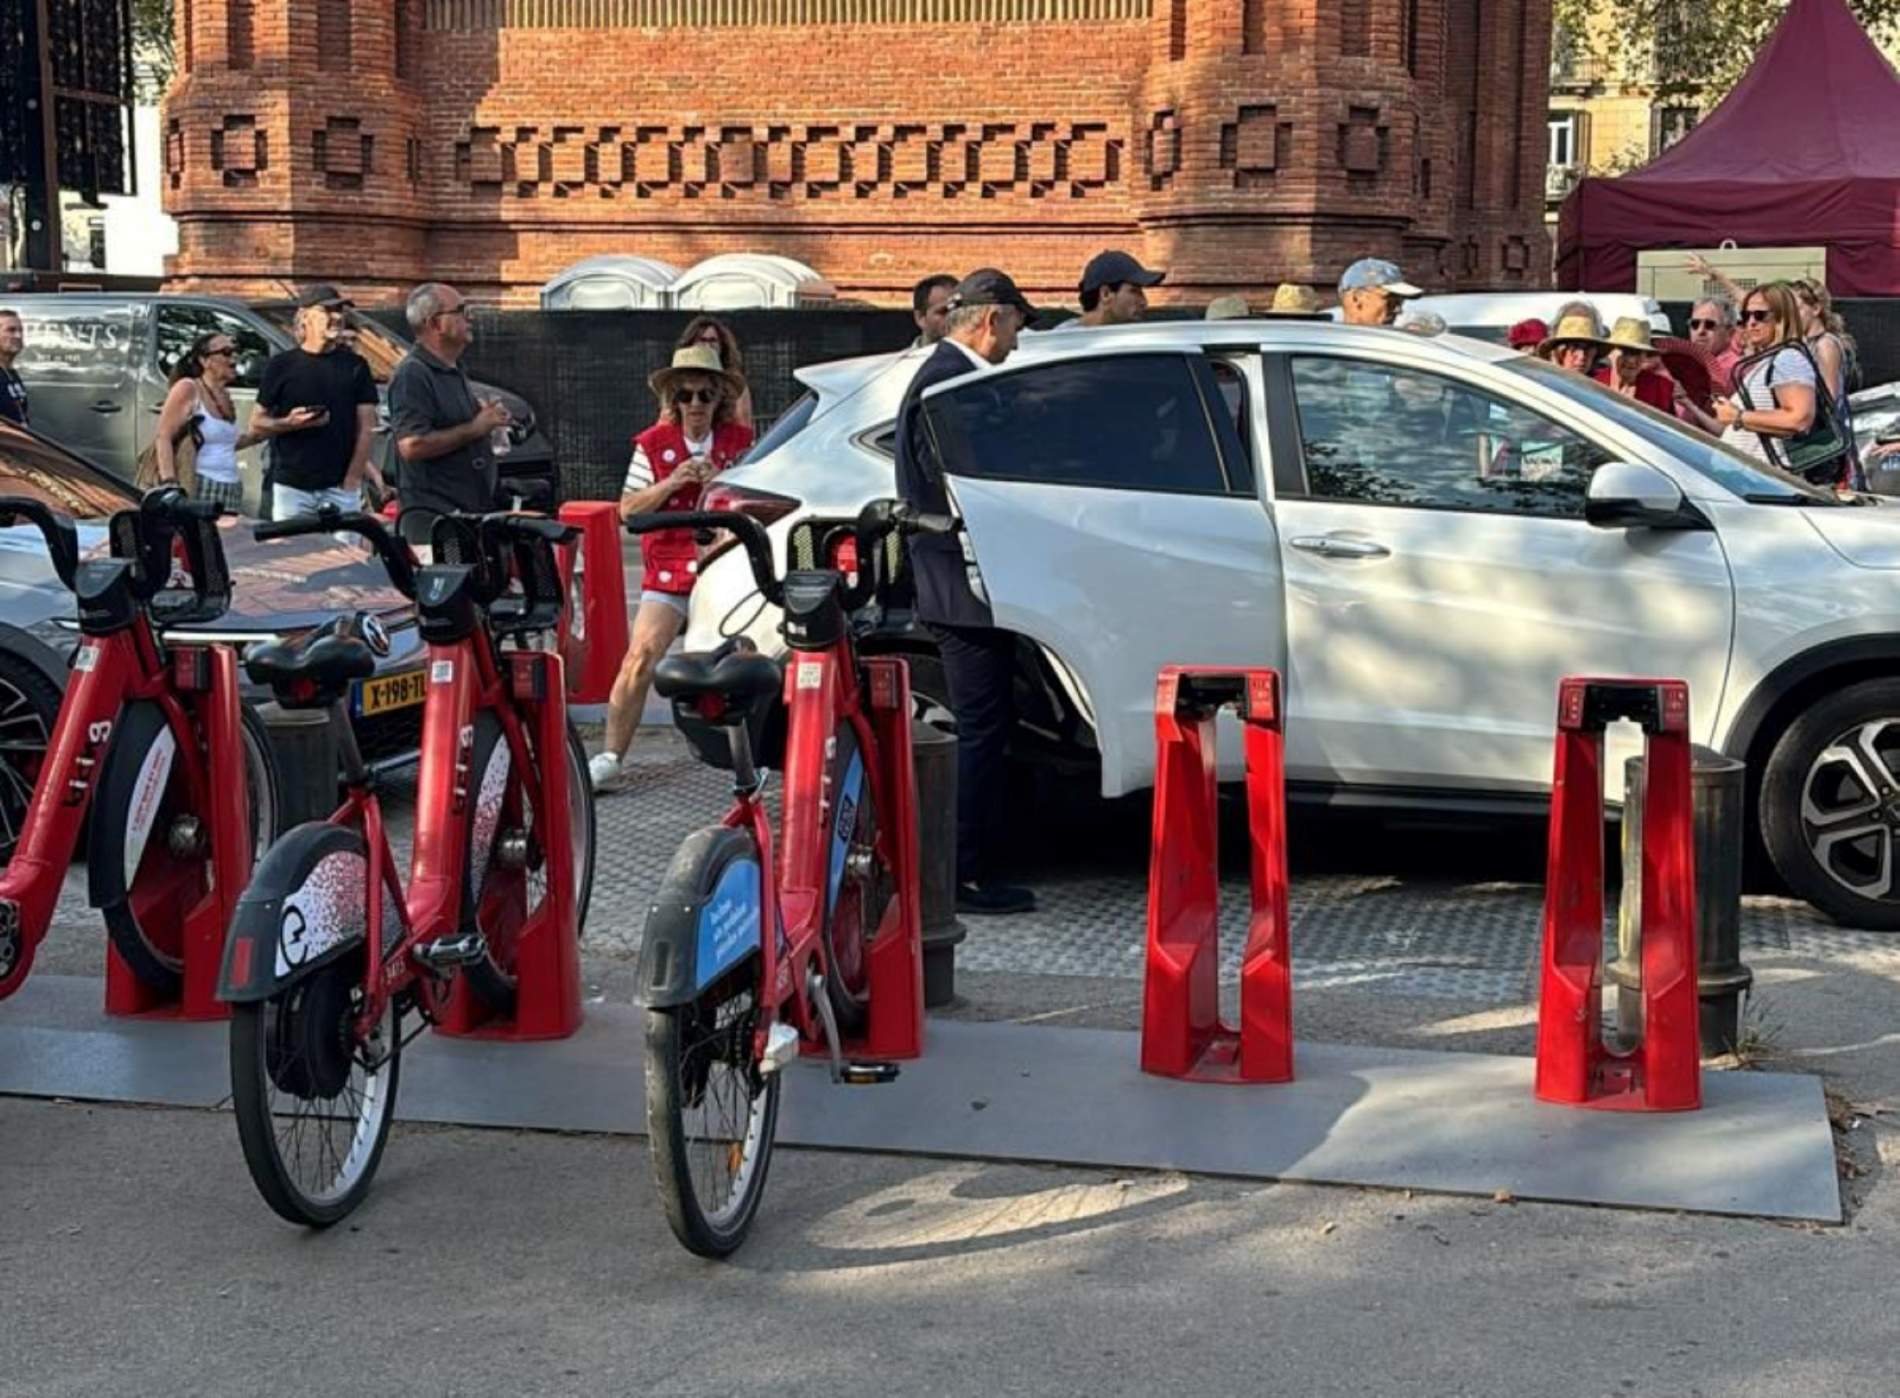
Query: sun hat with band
x=1575, y=329
x=1631, y=333
x=1295, y=299
x=695, y=359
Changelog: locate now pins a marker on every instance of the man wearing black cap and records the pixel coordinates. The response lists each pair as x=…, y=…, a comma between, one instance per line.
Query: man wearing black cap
x=317, y=404
x=986, y=313
x=1114, y=291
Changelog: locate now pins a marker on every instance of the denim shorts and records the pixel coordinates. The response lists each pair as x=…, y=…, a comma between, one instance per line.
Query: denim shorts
x=676, y=600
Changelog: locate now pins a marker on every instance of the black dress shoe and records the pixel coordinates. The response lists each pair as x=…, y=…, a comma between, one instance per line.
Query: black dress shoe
x=994, y=899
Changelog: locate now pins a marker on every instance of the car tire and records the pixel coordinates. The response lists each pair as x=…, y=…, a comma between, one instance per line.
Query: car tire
x=1830, y=805
x=29, y=706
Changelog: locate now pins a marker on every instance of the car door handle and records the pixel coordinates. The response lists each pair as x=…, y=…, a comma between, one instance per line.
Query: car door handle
x=106, y=405
x=1331, y=546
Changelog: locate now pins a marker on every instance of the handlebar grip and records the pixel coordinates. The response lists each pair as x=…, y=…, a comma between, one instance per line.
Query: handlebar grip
x=932, y=524
x=286, y=529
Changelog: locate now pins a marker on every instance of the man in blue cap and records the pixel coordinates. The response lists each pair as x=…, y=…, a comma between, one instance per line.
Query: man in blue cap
x=1114, y=291
x=986, y=311
x=1373, y=292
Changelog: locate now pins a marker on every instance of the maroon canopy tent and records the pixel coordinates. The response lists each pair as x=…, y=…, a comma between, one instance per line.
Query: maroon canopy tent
x=1804, y=152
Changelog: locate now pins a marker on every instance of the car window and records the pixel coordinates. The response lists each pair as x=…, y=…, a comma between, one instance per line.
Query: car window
x=180, y=325
x=1726, y=466
x=1232, y=426
x=43, y=472
x=786, y=426
x=1127, y=422
x=81, y=343
x=1383, y=434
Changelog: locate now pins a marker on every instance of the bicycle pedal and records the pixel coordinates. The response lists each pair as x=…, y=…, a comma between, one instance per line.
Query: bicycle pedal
x=867, y=1074
x=781, y=1047
x=447, y=953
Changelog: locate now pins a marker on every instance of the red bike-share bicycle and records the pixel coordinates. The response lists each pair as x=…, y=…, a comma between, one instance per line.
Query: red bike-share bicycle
x=756, y=952
x=327, y=952
x=153, y=737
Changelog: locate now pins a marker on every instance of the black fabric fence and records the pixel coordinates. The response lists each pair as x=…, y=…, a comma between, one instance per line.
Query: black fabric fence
x=585, y=372
x=1874, y=324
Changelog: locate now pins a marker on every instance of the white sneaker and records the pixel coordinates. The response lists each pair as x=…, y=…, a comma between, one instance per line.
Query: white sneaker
x=604, y=771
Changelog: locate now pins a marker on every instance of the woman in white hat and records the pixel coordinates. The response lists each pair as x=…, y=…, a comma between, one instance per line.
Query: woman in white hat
x=697, y=436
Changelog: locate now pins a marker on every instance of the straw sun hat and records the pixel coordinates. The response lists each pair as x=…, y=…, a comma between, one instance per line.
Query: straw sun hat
x=695, y=359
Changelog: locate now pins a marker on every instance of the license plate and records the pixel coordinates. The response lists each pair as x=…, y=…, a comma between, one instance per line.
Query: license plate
x=386, y=692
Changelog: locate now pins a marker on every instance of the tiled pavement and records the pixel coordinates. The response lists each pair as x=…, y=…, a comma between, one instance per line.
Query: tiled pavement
x=1408, y=913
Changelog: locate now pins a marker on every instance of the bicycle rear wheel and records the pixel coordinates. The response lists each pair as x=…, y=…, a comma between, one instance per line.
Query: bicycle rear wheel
x=149, y=857
x=711, y=1113
x=505, y=875
x=314, y=1096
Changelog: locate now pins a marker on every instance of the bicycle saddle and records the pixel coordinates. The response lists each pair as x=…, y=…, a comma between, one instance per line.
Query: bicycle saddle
x=313, y=671
x=737, y=677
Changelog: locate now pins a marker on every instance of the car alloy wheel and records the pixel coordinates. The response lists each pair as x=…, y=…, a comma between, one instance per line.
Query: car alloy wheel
x=1850, y=808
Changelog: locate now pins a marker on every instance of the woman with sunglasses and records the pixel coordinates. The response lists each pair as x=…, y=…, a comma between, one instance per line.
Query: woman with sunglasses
x=705, y=330
x=1826, y=334
x=199, y=405
x=698, y=436
x=1776, y=394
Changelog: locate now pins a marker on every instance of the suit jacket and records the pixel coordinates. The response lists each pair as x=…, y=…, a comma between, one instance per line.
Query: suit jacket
x=938, y=565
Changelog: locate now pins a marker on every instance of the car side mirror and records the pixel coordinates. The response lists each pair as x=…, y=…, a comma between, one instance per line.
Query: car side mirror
x=1632, y=495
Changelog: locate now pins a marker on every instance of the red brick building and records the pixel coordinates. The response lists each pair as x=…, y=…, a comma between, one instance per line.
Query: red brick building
x=492, y=142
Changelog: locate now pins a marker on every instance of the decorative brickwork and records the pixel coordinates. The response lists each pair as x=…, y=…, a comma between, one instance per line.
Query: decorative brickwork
x=491, y=142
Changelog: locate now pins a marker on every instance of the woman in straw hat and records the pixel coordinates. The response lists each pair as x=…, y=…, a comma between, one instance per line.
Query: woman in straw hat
x=1633, y=369
x=1296, y=301
x=1576, y=341
x=697, y=436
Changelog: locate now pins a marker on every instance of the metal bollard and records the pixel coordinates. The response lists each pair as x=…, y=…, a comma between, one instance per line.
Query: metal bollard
x=934, y=758
x=1717, y=791
x=306, y=756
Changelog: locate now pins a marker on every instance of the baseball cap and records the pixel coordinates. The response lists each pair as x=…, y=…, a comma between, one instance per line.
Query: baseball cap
x=1115, y=269
x=322, y=294
x=988, y=287
x=1376, y=274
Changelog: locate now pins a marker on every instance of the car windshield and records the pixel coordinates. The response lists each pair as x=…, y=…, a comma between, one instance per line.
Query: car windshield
x=787, y=426
x=381, y=350
x=1727, y=467
x=43, y=472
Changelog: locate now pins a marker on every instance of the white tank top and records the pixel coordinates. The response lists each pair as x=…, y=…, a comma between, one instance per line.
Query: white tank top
x=217, y=453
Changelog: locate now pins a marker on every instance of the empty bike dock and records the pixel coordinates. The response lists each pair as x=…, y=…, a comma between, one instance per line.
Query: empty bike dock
x=1190, y=1092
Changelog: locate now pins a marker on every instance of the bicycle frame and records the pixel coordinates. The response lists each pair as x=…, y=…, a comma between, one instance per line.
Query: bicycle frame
x=110, y=672
x=465, y=678
x=823, y=696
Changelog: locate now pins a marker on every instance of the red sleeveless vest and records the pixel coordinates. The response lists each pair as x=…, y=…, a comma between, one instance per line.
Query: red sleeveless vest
x=671, y=557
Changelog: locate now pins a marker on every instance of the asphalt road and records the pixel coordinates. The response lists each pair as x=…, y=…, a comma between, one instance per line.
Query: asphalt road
x=492, y=1262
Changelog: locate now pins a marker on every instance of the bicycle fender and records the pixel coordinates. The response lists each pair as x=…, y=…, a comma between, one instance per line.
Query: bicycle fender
x=705, y=918
x=302, y=909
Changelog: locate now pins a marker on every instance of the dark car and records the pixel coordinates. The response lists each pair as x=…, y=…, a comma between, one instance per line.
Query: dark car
x=278, y=590
x=97, y=366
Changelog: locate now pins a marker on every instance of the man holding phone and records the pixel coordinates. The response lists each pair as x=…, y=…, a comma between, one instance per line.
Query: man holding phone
x=317, y=405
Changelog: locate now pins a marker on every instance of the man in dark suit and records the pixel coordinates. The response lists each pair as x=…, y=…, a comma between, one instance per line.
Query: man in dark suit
x=986, y=313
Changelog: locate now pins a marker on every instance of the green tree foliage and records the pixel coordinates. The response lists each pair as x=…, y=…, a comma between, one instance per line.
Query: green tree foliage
x=153, y=51
x=1695, y=48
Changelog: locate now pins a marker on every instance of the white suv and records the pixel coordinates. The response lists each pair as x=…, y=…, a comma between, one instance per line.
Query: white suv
x=1422, y=535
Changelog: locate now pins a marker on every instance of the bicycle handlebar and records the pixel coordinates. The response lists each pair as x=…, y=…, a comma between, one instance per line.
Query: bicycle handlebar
x=758, y=544
x=62, y=538
x=876, y=520
x=397, y=560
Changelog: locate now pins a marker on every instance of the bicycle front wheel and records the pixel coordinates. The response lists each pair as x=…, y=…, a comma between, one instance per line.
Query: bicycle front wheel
x=711, y=1112
x=711, y=1116
x=315, y=1095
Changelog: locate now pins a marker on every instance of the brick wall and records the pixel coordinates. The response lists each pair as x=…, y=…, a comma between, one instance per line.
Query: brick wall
x=1236, y=142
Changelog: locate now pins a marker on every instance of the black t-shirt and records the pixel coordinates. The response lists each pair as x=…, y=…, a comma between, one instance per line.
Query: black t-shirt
x=317, y=457
x=12, y=397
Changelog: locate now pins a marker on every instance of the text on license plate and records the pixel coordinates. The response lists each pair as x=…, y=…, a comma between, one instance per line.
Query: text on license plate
x=386, y=692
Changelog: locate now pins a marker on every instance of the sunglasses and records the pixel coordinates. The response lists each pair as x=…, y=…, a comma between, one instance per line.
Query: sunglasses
x=1757, y=317
x=222, y=352
x=1705, y=325
x=695, y=395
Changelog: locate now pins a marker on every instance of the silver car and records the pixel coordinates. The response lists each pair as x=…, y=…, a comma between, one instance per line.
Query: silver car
x=1423, y=536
